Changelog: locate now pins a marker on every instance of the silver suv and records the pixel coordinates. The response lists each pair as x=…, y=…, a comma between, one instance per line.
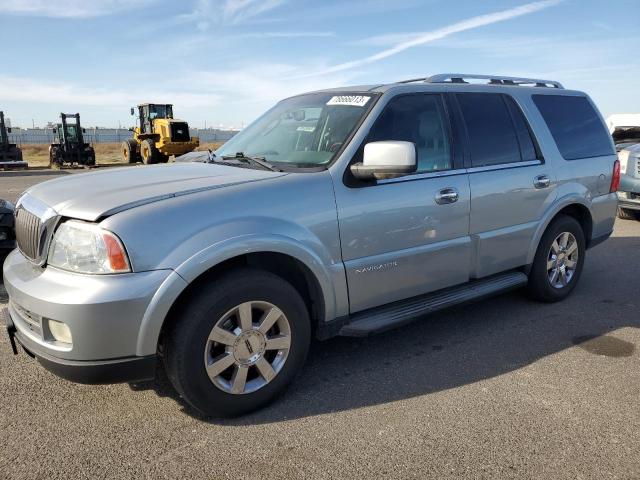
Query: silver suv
x=338, y=212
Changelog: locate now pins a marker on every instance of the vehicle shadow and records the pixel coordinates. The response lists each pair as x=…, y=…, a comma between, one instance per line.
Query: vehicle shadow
x=462, y=345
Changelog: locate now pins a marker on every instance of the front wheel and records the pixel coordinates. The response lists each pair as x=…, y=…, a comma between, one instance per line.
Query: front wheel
x=558, y=262
x=148, y=152
x=238, y=343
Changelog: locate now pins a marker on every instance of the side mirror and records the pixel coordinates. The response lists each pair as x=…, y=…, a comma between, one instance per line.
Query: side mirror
x=9, y=130
x=84, y=130
x=387, y=159
x=54, y=130
x=132, y=111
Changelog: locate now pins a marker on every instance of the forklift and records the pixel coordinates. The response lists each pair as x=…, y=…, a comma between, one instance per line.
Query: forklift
x=10, y=153
x=158, y=135
x=69, y=146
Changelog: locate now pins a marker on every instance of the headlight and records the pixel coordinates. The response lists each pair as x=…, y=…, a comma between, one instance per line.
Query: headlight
x=86, y=248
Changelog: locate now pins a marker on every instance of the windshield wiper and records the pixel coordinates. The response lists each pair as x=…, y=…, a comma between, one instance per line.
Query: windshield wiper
x=261, y=161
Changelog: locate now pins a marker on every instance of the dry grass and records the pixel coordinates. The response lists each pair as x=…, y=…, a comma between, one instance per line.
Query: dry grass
x=106, y=153
x=38, y=155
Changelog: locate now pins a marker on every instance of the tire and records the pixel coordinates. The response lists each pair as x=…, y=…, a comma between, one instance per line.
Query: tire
x=188, y=346
x=55, y=157
x=626, y=214
x=541, y=277
x=148, y=152
x=130, y=151
x=89, y=157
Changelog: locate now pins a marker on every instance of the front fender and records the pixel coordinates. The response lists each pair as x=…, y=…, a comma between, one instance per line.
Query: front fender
x=330, y=277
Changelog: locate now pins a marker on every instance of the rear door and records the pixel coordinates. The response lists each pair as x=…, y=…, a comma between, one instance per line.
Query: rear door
x=400, y=237
x=510, y=183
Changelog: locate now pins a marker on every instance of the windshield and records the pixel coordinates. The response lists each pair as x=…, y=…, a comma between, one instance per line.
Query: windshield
x=160, y=111
x=306, y=131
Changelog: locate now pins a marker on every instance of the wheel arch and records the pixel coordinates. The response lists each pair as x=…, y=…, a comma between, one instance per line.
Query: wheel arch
x=573, y=207
x=315, y=288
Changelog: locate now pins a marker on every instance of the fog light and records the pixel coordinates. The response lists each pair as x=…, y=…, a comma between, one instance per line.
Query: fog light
x=60, y=331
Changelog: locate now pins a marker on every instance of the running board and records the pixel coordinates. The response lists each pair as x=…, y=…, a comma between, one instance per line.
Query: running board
x=383, y=318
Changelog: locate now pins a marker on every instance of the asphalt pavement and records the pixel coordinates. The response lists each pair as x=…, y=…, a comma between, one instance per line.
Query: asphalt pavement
x=504, y=388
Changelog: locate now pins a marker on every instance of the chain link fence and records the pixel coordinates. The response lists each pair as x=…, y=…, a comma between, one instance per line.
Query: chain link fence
x=109, y=135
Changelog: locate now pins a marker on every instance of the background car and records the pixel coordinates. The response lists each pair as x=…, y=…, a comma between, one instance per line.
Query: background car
x=629, y=191
x=7, y=233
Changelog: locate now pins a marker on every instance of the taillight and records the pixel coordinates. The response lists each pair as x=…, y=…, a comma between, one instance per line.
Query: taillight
x=615, y=179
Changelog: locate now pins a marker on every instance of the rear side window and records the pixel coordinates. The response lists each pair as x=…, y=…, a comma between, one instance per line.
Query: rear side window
x=575, y=126
x=492, y=136
x=527, y=147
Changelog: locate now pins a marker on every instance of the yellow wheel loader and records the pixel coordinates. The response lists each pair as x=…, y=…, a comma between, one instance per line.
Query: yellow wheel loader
x=157, y=136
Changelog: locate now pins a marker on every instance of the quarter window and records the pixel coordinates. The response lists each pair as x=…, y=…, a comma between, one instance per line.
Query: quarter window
x=575, y=125
x=492, y=136
x=420, y=119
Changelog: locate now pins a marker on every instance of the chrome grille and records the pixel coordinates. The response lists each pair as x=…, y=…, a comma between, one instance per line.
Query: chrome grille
x=28, y=233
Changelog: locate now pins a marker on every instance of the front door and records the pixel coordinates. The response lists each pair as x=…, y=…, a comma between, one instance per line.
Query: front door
x=410, y=235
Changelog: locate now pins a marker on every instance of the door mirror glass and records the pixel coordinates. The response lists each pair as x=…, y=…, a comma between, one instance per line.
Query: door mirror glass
x=386, y=159
x=132, y=111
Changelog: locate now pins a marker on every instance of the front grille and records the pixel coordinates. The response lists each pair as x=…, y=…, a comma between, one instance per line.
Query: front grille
x=638, y=166
x=28, y=233
x=180, y=132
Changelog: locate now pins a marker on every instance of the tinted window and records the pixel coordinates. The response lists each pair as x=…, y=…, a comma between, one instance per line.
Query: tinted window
x=420, y=119
x=575, y=126
x=527, y=147
x=492, y=136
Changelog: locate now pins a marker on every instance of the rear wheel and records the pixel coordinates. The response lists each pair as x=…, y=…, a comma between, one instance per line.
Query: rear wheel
x=89, y=157
x=130, y=151
x=148, y=151
x=626, y=214
x=238, y=343
x=559, y=260
x=55, y=157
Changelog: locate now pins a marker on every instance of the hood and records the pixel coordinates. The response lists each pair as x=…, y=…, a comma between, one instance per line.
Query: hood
x=90, y=196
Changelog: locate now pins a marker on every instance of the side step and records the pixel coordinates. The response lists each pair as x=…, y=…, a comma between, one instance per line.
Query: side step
x=383, y=318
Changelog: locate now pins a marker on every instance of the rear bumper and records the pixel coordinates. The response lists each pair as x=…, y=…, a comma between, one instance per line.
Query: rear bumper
x=629, y=200
x=119, y=370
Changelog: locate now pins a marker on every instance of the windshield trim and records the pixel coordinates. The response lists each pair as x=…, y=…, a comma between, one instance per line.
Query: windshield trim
x=292, y=167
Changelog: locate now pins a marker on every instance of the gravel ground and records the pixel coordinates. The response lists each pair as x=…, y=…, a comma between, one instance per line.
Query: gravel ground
x=505, y=388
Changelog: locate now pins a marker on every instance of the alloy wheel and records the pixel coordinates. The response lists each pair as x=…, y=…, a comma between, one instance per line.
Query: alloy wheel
x=247, y=347
x=562, y=260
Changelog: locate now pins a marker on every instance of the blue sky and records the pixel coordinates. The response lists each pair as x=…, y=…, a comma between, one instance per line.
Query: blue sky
x=223, y=62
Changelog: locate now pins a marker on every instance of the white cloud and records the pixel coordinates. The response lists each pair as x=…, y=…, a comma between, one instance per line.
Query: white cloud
x=17, y=89
x=429, y=37
x=69, y=8
x=209, y=13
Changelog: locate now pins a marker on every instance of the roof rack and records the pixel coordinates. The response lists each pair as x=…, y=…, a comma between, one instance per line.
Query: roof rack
x=492, y=80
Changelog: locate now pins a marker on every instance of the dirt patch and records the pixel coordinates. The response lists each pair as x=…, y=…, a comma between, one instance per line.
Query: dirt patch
x=106, y=153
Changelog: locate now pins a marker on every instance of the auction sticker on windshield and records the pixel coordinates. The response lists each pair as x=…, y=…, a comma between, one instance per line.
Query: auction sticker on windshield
x=349, y=100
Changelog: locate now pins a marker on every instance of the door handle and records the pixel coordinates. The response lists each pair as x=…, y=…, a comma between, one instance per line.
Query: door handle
x=447, y=195
x=541, y=181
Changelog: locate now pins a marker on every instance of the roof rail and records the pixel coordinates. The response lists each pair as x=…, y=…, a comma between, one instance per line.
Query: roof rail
x=492, y=80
